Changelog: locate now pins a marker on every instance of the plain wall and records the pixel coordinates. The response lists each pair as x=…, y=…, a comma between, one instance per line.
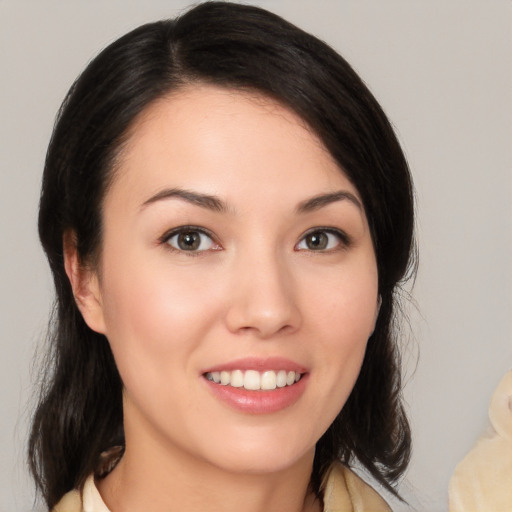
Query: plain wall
x=442, y=71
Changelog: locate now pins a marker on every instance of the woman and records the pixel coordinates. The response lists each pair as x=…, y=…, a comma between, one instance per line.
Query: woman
x=227, y=215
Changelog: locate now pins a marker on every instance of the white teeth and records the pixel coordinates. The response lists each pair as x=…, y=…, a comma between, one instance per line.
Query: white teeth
x=253, y=380
x=281, y=378
x=237, y=379
x=268, y=380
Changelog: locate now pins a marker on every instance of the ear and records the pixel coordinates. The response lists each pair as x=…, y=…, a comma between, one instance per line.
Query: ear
x=85, y=285
x=377, y=311
x=379, y=304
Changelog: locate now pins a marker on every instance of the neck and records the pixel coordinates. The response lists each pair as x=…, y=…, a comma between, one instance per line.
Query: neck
x=150, y=477
x=138, y=484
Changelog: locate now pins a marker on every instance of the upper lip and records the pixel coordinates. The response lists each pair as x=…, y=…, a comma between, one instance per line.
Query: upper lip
x=259, y=364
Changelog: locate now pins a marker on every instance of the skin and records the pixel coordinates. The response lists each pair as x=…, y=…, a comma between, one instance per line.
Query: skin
x=257, y=289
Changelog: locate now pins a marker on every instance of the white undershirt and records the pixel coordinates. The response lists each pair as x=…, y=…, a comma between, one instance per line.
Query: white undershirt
x=92, y=501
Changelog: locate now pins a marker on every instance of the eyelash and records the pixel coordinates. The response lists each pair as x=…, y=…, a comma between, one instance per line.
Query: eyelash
x=344, y=240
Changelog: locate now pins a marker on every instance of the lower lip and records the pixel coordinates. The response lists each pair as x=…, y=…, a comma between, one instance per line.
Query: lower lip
x=259, y=402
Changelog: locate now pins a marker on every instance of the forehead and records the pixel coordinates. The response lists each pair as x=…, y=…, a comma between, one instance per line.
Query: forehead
x=223, y=141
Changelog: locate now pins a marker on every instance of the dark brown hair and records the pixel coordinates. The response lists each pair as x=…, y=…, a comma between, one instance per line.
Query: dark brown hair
x=237, y=47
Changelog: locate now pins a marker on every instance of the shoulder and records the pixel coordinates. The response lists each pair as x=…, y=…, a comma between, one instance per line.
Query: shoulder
x=344, y=491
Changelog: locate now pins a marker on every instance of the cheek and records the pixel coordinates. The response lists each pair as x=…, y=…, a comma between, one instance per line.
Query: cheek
x=156, y=315
x=344, y=304
x=344, y=315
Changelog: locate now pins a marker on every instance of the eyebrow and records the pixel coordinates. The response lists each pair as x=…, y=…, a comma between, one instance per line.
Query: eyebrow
x=317, y=202
x=204, y=200
x=216, y=204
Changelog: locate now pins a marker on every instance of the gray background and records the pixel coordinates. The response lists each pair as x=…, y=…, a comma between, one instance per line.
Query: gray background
x=442, y=71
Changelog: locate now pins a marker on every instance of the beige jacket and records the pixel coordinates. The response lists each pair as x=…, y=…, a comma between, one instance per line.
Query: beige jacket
x=482, y=482
x=344, y=492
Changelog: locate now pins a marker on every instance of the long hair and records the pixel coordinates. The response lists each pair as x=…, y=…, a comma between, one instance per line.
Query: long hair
x=242, y=48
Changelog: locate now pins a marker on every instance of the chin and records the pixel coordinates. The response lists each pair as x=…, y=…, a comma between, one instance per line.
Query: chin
x=266, y=456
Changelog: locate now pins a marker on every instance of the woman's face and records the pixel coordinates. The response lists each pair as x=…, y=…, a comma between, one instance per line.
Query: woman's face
x=234, y=248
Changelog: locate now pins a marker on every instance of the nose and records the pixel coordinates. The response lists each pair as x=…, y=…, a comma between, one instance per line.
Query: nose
x=264, y=301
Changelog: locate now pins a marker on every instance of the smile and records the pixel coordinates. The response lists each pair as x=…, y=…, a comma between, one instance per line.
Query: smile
x=253, y=380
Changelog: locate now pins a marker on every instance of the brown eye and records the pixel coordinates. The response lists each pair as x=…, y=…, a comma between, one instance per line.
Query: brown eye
x=317, y=241
x=321, y=240
x=191, y=241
